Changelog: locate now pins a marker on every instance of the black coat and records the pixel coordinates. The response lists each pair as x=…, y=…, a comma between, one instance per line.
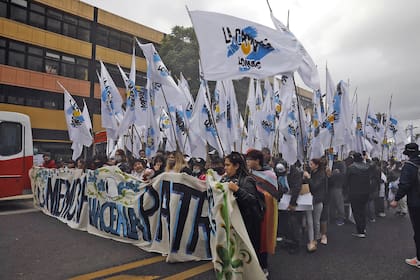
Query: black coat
x=318, y=186
x=294, y=178
x=358, y=178
x=408, y=184
x=246, y=197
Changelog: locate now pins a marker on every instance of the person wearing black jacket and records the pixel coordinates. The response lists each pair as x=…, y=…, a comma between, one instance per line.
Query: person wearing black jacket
x=336, y=182
x=317, y=185
x=409, y=186
x=244, y=189
x=358, y=179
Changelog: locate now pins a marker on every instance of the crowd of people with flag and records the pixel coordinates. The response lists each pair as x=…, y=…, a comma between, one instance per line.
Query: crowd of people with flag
x=332, y=146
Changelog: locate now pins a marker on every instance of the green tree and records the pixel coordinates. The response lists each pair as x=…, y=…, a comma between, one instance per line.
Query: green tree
x=180, y=53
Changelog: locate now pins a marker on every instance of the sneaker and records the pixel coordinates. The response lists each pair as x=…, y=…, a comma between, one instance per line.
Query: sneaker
x=340, y=223
x=265, y=270
x=382, y=214
x=324, y=240
x=413, y=262
x=360, y=235
x=279, y=239
x=372, y=220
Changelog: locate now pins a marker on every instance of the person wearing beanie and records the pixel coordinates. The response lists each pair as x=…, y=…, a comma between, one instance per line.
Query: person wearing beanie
x=410, y=186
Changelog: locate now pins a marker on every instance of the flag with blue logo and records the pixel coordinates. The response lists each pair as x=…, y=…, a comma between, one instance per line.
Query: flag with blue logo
x=77, y=126
x=232, y=48
x=111, y=102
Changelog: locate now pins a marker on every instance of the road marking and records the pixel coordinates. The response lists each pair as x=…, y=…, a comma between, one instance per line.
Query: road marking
x=132, y=277
x=23, y=211
x=191, y=272
x=116, y=269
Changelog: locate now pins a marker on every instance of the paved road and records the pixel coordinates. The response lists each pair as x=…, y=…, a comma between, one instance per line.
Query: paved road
x=36, y=246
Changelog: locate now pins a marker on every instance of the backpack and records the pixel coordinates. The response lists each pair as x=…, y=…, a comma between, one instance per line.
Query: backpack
x=418, y=174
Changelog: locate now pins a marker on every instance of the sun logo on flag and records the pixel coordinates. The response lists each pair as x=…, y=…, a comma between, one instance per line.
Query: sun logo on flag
x=253, y=49
x=76, y=115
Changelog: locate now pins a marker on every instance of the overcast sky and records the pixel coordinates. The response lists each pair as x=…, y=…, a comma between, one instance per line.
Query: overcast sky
x=374, y=44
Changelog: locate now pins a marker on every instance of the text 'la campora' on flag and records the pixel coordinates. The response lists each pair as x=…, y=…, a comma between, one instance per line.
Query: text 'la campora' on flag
x=232, y=48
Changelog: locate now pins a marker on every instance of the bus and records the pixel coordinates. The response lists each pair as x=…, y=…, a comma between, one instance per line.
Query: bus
x=16, y=154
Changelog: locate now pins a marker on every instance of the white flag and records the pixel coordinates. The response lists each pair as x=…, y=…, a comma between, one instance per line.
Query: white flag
x=76, y=124
x=111, y=102
x=289, y=125
x=232, y=116
x=185, y=88
x=232, y=48
x=307, y=69
x=152, y=135
x=329, y=91
x=132, y=104
x=202, y=122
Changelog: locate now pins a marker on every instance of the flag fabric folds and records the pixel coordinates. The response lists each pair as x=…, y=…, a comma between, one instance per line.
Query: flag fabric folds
x=232, y=48
x=307, y=69
x=77, y=125
x=111, y=102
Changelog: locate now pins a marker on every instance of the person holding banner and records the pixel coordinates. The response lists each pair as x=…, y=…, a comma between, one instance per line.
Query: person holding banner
x=245, y=191
x=175, y=162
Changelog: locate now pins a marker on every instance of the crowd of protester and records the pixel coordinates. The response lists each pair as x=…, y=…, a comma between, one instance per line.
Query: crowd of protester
x=258, y=181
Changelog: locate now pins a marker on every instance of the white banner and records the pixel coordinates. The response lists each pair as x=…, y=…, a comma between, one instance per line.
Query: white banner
x=169, y=216
x=176, y=214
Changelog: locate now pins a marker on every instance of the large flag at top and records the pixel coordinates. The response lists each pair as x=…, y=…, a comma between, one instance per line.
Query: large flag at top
x=232, y=48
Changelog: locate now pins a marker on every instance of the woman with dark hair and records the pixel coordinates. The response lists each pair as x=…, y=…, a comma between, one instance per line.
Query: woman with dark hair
x=158, y=164
x=317, y=185
x=122, y=162
x=244, y=189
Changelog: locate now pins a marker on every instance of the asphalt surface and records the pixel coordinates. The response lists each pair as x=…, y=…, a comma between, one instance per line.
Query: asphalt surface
x=36, y=246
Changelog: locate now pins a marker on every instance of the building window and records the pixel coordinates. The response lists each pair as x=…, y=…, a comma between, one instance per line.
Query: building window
x=102, y=36
x=18, y=10
x=53, y=25
x=35, y=63
x=2, y=51
x=16, y=59
x=37, y=20
x=42, y=60
x=2, y=56
x=19, y=100
x=3, y=9
x=34, y=102
x=50, y=104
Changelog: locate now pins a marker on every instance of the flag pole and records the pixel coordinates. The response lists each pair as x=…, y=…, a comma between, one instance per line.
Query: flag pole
x=212, y=118
x=305, y=157
x=170, y=117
